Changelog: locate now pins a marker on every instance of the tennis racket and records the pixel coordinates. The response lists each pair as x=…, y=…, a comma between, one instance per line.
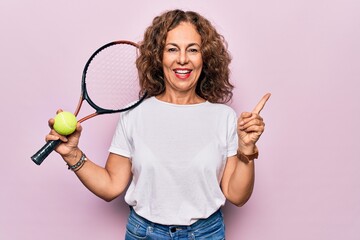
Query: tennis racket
x=109, y=85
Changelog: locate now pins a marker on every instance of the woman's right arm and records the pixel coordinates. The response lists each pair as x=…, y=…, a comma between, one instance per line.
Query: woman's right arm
x=108, y=182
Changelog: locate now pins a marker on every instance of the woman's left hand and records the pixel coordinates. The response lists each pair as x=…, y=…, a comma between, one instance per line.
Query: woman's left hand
x=251, y=125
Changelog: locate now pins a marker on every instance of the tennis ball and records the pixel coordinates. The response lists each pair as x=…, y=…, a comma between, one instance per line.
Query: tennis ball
x=65, y=123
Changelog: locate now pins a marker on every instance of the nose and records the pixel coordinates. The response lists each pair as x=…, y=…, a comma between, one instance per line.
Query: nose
x=183, y=57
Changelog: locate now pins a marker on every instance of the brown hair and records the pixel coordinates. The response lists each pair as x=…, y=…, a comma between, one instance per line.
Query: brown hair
x=213, y=84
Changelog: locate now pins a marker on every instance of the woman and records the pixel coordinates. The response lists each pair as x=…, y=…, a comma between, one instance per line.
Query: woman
x=184, y=152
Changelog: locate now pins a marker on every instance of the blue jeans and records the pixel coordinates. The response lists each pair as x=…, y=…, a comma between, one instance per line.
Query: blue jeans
x=212, y=228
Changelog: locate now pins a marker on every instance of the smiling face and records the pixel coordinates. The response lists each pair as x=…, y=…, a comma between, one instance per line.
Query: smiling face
x=182, y=64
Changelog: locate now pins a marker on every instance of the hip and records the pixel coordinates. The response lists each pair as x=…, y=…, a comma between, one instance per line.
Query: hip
x=210, y=228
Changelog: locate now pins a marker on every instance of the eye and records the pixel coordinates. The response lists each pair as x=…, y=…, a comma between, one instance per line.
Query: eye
x=172, y=49
x=193, y=50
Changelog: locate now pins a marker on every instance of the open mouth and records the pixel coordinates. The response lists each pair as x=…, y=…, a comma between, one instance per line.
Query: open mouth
x=182, y=73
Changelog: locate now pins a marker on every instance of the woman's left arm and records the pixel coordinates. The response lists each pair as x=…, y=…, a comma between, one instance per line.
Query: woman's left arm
x=239, y=174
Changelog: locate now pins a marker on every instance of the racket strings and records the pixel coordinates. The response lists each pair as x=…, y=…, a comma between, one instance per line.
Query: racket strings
x=112, y=77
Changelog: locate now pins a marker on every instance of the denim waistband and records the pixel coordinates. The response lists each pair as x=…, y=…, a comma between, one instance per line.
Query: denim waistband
x=199, y=224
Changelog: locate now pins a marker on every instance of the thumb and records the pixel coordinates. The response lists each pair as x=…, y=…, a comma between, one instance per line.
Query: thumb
x=245, y=114
x=78, y=129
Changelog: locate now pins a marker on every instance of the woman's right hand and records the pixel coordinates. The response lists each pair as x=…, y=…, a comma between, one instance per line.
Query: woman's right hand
x=69, y=144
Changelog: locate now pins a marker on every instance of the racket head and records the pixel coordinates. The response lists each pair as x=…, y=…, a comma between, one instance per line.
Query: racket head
x=110, y=84
x=110, y=78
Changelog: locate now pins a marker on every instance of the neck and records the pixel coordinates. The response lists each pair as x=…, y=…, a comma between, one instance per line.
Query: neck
x=181, y=99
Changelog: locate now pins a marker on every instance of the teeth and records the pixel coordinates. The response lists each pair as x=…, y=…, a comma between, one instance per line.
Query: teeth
x=182, y=71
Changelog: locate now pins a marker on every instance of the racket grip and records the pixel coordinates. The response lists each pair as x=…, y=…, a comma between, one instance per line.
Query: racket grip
x=40, y=155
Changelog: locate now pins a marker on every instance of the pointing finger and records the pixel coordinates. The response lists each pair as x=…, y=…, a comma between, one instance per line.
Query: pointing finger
x=261, y=104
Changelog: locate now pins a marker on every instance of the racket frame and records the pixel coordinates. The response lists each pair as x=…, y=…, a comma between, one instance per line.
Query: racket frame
x=41, y=154
x=85, y=96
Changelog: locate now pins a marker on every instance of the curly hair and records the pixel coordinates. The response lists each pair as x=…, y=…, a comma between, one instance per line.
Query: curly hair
x=213, y=84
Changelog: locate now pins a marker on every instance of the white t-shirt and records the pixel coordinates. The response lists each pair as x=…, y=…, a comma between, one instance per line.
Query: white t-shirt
x=178, y=155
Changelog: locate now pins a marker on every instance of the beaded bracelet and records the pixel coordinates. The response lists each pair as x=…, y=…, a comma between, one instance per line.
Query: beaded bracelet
x=79, y=164
x=77, y=169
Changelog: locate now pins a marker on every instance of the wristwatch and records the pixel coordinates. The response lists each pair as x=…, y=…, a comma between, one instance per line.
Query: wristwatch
x=247, y=158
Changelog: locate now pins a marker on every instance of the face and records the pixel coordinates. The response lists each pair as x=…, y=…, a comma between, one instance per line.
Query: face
x=182, y=60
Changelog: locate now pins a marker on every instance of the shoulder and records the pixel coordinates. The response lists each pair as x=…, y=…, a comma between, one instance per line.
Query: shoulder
x=219, y=112
x=222, y=108
x=146, y=103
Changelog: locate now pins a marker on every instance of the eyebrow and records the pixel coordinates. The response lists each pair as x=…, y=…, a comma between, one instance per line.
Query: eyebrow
x=189, y=45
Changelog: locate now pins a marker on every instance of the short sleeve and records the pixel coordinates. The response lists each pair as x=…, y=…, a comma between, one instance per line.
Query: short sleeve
x=232, y=134
x=120, y=142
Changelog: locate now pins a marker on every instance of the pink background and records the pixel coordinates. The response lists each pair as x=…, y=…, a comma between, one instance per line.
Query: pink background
x=305, y=52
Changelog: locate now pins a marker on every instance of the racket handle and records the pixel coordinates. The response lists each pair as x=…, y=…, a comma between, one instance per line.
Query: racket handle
x=40, y=155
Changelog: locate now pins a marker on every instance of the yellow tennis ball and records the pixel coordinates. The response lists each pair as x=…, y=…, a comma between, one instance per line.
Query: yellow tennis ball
x=65, y=123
